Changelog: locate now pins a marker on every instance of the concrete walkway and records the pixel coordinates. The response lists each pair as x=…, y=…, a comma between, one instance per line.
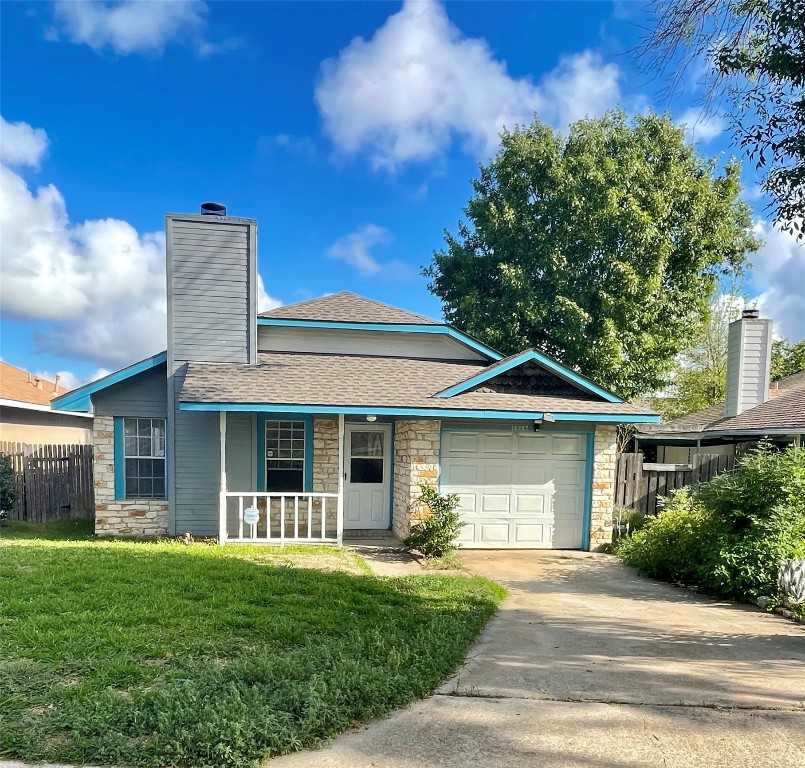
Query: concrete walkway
x=587, y=664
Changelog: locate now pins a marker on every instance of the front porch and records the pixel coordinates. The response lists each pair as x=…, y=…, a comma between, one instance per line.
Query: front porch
x=320, y=478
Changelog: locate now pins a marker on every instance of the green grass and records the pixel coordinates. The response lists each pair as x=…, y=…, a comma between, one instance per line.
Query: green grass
x=78, y=529
x=166, y=654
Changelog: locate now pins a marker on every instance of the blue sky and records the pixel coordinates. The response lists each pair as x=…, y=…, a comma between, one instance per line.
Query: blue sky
x=349, y=130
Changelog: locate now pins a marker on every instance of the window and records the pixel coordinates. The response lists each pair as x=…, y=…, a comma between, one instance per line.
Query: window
x=144, y=457
x=285, y=455
x=366, y=457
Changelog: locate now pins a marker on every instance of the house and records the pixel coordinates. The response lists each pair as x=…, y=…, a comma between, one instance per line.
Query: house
x=26, y=415
x=321, y=419
x=753, y=410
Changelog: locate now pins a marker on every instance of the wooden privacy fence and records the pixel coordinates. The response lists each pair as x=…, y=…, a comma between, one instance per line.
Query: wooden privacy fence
x=639, y=485
x=53, y=481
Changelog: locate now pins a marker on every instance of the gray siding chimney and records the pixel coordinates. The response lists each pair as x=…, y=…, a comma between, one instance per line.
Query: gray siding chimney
x=212, y=318
x=212, y=289
x=748, y=362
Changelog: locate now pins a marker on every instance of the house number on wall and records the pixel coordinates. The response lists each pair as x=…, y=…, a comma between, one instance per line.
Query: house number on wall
x=251, y=515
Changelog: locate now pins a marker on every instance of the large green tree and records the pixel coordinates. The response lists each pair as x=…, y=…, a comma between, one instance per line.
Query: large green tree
x=750, y=57
x=786, y=358
x=602, y=248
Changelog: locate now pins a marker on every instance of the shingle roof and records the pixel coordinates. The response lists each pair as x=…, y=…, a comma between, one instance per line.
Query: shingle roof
x=16, y=384
x=365, y=381
x=784, y=409
x=346, y=307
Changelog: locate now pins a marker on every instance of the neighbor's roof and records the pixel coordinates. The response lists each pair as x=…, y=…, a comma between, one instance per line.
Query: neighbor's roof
x=24, y=387
x=347, y=307
x=311, y=379
x=785, y=409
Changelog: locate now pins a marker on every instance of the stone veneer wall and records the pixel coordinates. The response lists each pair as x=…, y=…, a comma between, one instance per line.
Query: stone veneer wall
x=605, y=457
x=416, y=461
x=325, y=455
x=120, y=517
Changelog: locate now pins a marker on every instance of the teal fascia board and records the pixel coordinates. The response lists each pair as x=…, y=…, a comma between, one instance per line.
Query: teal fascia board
x=528, y=355
x=80, y=399
x=587, y=518
x=442, y=330
x=348, y=410
x=262, y=418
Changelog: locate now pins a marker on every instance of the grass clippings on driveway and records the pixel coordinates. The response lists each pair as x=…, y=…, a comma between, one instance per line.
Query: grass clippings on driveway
x=166, y=654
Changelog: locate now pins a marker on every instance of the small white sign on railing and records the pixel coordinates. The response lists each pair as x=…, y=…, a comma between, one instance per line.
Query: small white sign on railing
x=251, y=515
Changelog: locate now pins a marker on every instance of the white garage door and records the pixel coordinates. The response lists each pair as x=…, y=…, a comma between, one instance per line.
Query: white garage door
x=517, y=490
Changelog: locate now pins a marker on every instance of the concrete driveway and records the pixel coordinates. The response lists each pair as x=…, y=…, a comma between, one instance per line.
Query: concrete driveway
x=587, y=664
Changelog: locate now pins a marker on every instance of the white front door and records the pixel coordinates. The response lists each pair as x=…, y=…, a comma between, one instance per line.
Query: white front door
x=367, y=467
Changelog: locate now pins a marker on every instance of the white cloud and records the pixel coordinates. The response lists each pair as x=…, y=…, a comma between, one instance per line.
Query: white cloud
x=355, y=249
x=701, y=126
x=98, y=285
x=264, y=301
x=135, y=26
x=404, y=95
x=778, y=272
x=21, y=145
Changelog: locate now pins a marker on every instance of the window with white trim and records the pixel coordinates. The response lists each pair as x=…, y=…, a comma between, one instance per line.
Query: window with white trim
x=285, y=456
x=144, y=457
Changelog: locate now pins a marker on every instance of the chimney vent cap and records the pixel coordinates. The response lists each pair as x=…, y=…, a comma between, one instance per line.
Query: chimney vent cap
x=213, y=209
x=751, y=314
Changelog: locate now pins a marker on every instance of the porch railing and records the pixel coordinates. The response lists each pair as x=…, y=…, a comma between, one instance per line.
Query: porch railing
x=281, y=518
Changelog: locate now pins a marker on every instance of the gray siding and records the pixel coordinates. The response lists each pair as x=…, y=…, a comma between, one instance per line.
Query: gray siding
x=212, y=274
x=212, y=317
x=748, y=364
x=398, y=344
x=241, y=444
x=143, y=395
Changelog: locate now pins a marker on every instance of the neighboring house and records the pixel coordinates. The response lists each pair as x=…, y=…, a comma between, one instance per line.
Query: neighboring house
x=331, y=413
x=753, y=410
x=26, y=415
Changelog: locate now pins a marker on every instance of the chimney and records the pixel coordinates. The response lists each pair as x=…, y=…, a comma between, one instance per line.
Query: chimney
x=212, y=287
x=56, y=383
x=748, y=362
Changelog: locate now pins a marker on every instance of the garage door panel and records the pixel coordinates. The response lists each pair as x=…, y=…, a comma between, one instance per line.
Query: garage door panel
x=530, y=503
x=568, y=474
x=494, y=533
x=495, y=472
x=533, y=533
x=533, y=444
x=494, y=443
x=461, y=472
x=526, y=492
x=462, y=442
x=495, y=503
x=567, y=445
x=530, y=473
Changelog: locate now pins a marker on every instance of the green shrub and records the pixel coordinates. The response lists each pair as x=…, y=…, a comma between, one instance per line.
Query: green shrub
x=435, y=535
x=730, y=535
x=8, y=488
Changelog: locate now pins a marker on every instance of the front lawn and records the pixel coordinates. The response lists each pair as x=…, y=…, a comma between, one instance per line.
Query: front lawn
x=168, y=654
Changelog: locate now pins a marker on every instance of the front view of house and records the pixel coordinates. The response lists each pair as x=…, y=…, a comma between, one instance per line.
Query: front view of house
x=323, y=418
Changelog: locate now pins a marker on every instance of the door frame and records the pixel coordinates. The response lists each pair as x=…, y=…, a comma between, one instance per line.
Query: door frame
x=388, y=451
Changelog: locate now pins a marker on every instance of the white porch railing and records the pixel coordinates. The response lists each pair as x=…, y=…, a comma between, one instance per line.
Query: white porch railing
x=282, y=518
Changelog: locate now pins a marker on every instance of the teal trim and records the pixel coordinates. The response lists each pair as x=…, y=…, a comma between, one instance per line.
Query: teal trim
x=588, y=492
x=442, y=330
x=401, y=411
x=526, y=356
x=262, y=418
x=391, y=479
x=120, y=459
x=80, y=399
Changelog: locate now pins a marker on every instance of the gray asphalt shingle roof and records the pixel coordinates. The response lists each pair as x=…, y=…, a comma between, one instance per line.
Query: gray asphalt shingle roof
x=785, y=409
x=297, y=378
x=346, y=307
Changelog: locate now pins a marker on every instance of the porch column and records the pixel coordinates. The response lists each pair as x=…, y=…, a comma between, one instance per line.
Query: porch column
x=222, y=498
x=340, y=505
